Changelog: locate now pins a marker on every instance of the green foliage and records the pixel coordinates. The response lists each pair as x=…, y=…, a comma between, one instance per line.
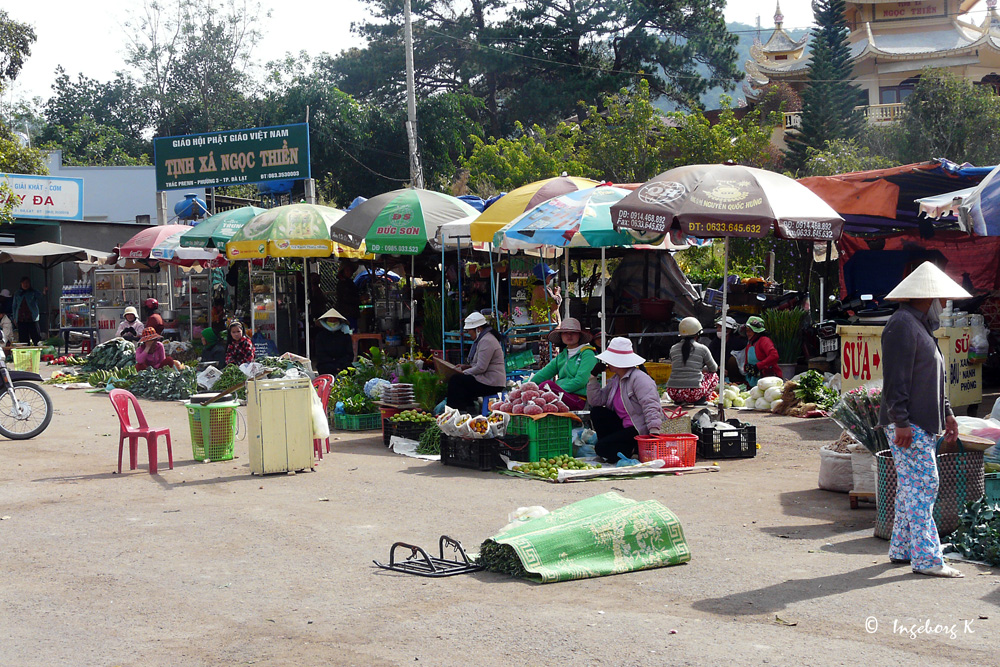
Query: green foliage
x=15, y=47
x=85, y=143
x=702, y=264
x=842, y=156
x=812, y=389
x=946, y=116
x=829, y=97
x=978, y=533
x=498, y=165
x=784, y=328
x=745, y=140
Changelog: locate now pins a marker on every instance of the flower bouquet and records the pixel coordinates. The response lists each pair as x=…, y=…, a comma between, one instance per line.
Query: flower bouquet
x=857, y=413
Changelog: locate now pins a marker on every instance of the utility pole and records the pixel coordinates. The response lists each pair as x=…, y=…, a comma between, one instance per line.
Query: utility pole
x=416, y=173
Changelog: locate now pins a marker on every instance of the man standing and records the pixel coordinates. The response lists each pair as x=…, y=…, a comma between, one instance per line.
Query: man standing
x=27, y=307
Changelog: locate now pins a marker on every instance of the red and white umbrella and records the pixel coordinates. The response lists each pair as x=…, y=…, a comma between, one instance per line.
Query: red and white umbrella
x=141, y=245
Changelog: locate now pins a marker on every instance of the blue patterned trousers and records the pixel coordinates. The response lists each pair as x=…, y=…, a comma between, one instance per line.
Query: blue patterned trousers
x=914, y=533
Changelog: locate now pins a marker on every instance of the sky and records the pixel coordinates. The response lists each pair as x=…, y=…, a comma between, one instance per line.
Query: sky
x=73, y=34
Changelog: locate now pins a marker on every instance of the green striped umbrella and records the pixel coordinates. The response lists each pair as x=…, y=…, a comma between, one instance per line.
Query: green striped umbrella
x=215, y=231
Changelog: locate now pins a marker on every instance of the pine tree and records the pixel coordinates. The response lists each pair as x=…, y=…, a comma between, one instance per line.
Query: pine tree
x=829, y=97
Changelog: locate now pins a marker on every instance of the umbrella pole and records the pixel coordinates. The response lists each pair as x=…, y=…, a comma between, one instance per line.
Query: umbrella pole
x=444, y=356
x=305, y=286
x=253, y=320
x=566, y=280
x=461, y=311
x=604, y=304
x=413, y=303
x=725, y=309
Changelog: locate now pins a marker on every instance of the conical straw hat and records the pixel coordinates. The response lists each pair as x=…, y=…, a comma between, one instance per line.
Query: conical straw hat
x=927, y=282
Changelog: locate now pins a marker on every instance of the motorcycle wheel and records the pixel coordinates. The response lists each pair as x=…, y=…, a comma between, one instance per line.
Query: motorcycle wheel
x=36, y=411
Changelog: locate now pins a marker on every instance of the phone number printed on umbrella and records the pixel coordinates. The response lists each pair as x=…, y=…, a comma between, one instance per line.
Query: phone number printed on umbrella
x=725, y=227
x=394, y=249
x=639, y=220
x=812, y=229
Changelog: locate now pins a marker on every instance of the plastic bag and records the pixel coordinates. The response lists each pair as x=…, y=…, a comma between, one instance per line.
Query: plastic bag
x=321, y=427
x=624, y=461
x=252, y=369
x=522, y=514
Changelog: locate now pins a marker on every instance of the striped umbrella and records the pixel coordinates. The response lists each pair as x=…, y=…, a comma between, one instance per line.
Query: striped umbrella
x=520, y=200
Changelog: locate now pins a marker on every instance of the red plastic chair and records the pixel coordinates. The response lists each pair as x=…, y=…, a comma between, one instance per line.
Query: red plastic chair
x=323, y=384
x=121, y=400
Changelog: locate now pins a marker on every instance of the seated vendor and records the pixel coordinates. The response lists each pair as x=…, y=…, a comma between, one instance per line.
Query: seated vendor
x=693, y=374
x=149, y=353
x=627, y=406
x=569, y=372
x=761, y=358
x=240, y=349
x=486, y=372
x=333, y=350
x=212, y=349
x=130, y=328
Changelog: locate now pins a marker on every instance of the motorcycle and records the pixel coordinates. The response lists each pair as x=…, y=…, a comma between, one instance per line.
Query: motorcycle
x=25, y=409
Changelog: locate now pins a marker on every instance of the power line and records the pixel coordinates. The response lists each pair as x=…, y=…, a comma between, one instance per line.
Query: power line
x=366, y=167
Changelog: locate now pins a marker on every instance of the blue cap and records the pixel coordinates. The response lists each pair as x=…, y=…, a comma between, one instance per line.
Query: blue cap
x=543, y=271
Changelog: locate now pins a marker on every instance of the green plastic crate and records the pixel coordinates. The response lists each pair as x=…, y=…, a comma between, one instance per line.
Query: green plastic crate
x=368, y=422
x=519, y=360
x=548, y=437
x=992, y=487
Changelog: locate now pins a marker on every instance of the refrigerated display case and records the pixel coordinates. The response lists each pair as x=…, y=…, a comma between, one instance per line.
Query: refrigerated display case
x=192, y=299
x=265, y=311
x=114, y=290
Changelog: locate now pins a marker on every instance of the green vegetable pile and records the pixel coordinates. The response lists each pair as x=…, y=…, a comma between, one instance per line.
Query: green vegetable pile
x=116, y=353
x=549, y=468
x=500, y=558
x=430, y=441
x=164, y=384
x=978, y=534
x=413, y=416
x=359, y=404
x=812, y=389
x=231, y=376
x=101, y=378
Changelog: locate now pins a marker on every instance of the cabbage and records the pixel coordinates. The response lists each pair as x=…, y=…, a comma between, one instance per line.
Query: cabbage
x=738, y=402
x=772, y=394
x=727, y=402
x=756, y=393
x=729, y=394
x=762, y=404
x=775, y=404
x=768, y=382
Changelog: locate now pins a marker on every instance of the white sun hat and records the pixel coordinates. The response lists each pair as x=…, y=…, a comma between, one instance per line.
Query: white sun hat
x=620, y=355
x=927, y=282
x=475, y=320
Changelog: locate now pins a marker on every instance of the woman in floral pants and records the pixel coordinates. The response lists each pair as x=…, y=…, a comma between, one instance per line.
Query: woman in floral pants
x=914, y=410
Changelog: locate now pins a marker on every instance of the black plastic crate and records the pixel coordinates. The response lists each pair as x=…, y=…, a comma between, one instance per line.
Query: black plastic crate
x=478, y=454
x=713, y=443
x=386, y=431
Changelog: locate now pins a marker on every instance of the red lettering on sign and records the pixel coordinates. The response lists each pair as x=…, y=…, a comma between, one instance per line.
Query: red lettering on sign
x=962, y=345
x=866, y=371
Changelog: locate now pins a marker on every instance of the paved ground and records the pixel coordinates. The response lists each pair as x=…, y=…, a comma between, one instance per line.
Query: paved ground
x=207, y=565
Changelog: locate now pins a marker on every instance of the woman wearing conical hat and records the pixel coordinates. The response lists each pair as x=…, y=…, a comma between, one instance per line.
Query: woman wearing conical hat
x=915, y=410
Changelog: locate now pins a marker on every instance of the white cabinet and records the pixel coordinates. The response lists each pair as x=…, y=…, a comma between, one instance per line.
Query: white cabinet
x=279, y=425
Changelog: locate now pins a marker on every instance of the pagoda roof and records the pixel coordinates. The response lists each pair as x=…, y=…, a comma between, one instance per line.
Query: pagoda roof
x=955, y=39
x=780, y=42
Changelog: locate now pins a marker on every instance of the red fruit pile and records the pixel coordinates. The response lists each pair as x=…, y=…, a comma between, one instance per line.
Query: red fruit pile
x=528, y=399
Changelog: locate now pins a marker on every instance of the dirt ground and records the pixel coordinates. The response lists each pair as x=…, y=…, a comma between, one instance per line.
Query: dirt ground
x=207, y=565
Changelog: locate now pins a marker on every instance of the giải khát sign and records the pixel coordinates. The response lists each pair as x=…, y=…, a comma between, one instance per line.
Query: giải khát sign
x=43, y=197
x=253, y=155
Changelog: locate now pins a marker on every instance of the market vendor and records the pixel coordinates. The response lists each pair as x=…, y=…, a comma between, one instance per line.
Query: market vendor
x=569, y=372
x=545, y=296
x=333, y=350
x=761, y=354
x=736, y=344
x=693, y=374
x=240, y=349
x=154, y=320
x=213, y=349
x=486, y=372
x=149, y=353
x=27, y=306
x=627, y=406
x=130, y=328
x=914, y=411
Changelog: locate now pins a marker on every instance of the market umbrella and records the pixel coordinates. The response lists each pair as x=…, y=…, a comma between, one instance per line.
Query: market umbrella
x=141, y=245
x=723, y=200
x=215, y=231
x=979, y=212
x=169, y=250
x=523, y=199
x=400, y=223
x=47, y=254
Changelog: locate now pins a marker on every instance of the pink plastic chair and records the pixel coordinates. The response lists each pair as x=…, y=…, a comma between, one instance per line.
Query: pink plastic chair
x=121, y=400
x=323, y=384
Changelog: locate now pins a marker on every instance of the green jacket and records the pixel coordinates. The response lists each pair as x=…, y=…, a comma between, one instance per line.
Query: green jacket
x=571, y=374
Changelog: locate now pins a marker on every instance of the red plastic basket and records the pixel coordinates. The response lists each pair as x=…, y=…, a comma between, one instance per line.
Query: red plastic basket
x=668, y=447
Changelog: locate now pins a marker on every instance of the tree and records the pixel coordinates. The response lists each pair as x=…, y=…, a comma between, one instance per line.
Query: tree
x=15, y=46
x=842, y=156
x=194, y=56
x=745, y=140
x=829, y=97
x=499, y=165
x=535, y=60
x=116, y=116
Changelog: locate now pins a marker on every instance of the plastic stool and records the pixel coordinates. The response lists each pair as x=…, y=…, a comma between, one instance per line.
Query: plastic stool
x=486, y=402
x=85, y=345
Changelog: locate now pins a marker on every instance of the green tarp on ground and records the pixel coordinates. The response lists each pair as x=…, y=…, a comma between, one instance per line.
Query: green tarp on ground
x=606, y=534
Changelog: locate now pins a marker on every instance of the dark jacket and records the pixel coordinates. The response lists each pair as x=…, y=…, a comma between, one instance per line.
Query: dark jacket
x=215, y=352
x=913, y=373
x=332, y=351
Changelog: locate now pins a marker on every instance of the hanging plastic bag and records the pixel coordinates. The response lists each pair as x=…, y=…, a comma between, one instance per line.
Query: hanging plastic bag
x=320, y=425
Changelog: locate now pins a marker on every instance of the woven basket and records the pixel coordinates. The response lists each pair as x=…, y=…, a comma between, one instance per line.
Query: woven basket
x=678, y=425
x=961, y=480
